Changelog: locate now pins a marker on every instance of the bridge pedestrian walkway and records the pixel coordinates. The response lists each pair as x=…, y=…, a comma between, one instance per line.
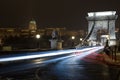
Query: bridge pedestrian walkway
x=113, y=65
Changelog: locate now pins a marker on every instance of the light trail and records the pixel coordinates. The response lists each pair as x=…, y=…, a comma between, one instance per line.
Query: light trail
x=46, y=54
x=79, y=56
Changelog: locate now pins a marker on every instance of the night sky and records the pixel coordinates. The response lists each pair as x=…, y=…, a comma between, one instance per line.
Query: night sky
x=53, y=13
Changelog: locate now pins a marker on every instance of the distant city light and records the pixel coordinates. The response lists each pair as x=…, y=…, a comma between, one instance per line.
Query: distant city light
x=106, y=13
x=73, y=37
x=81, y=39
x=38, y=36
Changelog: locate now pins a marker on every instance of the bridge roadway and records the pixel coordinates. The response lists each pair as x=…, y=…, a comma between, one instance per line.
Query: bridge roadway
x=70, y=64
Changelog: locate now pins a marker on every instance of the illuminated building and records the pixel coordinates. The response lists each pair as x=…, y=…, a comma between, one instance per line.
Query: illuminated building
x=26, y=37
x=102, y=25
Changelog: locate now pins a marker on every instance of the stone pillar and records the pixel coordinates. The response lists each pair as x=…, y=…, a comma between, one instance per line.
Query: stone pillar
x=55, y=44
x=59, y=44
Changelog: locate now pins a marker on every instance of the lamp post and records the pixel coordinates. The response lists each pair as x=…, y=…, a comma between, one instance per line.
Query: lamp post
x=73, y=38
x=81, y=39
x=38, y=38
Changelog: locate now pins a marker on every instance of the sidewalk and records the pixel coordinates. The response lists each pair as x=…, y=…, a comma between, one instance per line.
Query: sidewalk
x=113, y=66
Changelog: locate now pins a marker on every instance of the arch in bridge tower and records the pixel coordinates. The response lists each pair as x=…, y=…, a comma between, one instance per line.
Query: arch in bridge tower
x=101, y=26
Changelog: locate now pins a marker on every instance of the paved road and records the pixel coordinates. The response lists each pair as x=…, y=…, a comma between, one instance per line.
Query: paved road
x=77, y=67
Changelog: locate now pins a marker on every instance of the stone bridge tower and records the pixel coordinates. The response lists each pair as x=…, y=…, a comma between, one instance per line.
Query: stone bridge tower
x=103, y=29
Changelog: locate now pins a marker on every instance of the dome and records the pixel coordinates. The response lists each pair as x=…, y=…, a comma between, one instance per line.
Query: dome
x=33, y=22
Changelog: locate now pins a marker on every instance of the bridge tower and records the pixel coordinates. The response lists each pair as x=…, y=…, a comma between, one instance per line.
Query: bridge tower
x=101, y=27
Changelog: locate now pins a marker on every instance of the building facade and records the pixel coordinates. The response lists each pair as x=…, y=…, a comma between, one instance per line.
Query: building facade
x=23, y=38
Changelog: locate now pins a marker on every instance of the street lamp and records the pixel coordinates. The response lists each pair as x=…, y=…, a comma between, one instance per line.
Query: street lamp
x=81, y=39
x=38, y=37
x=73, y=37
